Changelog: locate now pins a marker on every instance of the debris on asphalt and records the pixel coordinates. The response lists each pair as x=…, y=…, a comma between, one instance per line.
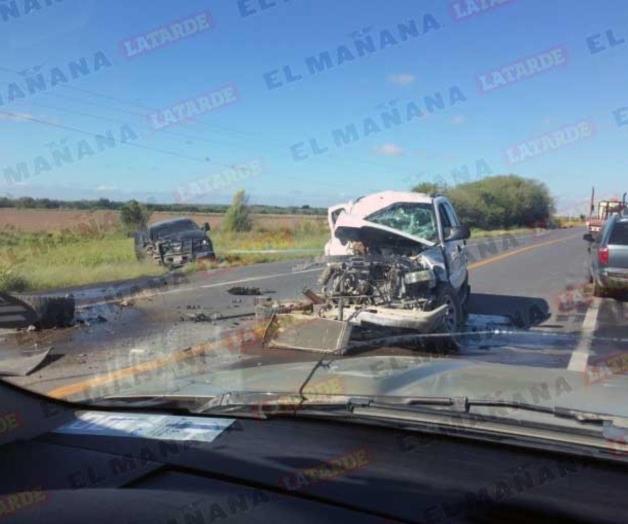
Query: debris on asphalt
x=313, y=297
x=15, y=313
x=244, y=291
x=202, y=317
x=88, y=320
x=44, y=312
x=23, y=364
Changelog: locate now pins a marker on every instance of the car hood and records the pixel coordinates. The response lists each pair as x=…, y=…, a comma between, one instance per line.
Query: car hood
x=352, y=228
x=410, y=376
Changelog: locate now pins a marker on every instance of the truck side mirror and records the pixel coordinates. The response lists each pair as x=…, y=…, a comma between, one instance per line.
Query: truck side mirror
x=458, y=233
x=588, y=237
x=206, y=227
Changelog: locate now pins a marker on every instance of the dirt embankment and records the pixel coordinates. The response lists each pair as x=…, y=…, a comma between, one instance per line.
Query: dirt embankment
x=35, y=220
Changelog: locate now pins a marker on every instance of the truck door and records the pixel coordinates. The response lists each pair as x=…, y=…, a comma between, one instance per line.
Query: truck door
x=455, y=249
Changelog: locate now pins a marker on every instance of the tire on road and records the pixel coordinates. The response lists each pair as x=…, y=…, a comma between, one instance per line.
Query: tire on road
x=51, y=311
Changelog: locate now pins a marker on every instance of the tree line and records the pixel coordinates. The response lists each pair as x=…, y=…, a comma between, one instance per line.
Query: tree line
x=106, y=204
x=502, y=201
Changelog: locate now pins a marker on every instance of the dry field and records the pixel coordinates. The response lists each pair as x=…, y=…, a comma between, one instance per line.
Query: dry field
x=43, y=220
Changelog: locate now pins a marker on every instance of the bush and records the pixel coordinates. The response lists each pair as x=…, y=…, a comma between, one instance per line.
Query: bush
x=134, y=216
x=238, y=216
x=429, y=188
x=11, y=282
x=502, y=201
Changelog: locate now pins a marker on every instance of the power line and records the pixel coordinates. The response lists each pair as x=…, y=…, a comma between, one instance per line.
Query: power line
x=94, y=135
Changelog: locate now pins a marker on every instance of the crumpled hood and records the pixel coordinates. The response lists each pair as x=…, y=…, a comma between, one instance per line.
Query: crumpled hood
x=349, y=227
x=412, y=376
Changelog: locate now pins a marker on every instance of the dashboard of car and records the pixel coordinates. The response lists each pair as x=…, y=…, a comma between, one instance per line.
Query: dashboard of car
x=61, y=465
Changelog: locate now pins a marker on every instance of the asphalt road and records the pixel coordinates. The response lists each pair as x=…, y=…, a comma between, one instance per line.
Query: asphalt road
x=532, y=289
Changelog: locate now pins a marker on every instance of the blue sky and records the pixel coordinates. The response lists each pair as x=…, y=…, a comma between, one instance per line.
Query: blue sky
x=248, y=44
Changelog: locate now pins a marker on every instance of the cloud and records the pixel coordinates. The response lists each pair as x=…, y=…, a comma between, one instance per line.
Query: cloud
x=401, y=79
x=389, y=150
x=106, y=188
x=458, y=120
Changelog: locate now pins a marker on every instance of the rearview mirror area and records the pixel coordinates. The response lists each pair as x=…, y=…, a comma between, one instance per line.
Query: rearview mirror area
x=588, y=237
x=206, y=226
x=458, y=233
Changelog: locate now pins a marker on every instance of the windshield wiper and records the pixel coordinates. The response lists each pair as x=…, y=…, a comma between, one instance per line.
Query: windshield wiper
x=465, y=405
x=269, y=403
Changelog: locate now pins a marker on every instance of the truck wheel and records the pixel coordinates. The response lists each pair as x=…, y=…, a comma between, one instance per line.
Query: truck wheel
x=51, y=312
x=451, y=323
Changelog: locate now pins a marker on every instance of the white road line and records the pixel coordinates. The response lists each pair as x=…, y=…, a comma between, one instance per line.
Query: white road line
x=206, y=286
x=261, y=277
x=580, y=357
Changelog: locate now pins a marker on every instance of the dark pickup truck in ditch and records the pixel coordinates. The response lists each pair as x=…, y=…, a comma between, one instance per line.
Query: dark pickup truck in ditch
x=174, y=242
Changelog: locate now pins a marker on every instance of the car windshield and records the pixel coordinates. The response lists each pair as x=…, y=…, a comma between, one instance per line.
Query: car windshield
x=173, y=228
x=414, y=219
x=407, y=200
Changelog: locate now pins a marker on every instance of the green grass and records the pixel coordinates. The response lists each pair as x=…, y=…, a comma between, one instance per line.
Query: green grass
x=41, y=261
x=30, y=262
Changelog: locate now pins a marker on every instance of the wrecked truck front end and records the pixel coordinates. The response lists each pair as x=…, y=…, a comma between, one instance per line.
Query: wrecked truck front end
x=389, y=291
x=386, y=282
x=184, y=249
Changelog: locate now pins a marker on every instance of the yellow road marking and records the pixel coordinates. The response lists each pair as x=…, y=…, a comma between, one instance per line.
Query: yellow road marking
x=230, y=341
x=508, y=254
x=151, y=365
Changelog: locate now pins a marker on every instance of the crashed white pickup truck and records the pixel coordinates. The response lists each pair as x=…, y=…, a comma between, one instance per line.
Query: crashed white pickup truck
x=395, y=261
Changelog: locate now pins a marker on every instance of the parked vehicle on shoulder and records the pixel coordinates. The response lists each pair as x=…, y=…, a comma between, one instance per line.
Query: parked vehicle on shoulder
x=608, y=264
x=174, y=242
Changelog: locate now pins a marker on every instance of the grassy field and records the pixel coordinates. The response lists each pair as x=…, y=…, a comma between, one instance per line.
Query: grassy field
x=95, y=251
x=51, y=220
x=39, y=261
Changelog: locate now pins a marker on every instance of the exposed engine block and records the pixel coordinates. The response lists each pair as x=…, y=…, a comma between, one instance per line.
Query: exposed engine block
x=397, y=281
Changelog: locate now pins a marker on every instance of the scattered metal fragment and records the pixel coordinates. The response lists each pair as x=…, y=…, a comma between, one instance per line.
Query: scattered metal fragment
x=23, y=364
x=244, y=291
x=309, y=333
x=313, y=297
x=44, y=312
x=15, y=313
